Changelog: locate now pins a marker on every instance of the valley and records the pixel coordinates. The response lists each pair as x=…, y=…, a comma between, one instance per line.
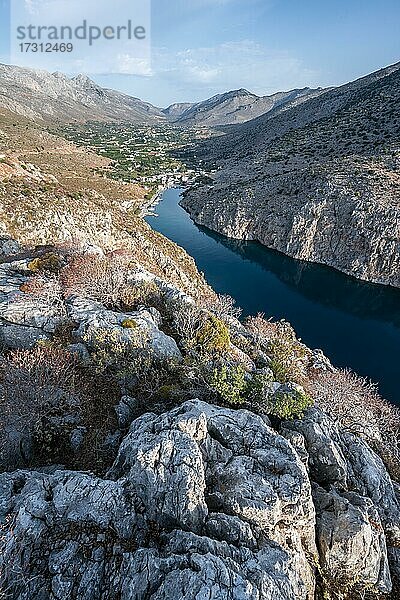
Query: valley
x=138, y=154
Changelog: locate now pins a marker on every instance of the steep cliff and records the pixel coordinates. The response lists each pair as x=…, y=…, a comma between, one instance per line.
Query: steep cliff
x=319, y=181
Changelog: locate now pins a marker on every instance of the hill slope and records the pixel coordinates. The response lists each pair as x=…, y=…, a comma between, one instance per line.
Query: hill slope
x=318, y=181
x=53, y=96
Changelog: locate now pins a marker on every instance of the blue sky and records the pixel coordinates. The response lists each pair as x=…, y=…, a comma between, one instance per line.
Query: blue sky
x=204, y=47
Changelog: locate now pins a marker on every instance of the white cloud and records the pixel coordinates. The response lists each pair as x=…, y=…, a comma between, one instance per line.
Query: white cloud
x=231, y=65
x=127, y=64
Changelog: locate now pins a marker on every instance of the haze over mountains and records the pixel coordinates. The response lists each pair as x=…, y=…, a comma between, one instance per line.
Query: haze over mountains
x=53, y=96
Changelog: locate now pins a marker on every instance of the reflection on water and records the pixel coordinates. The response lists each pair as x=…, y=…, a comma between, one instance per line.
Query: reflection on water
x=356, y=324
x=319, y=283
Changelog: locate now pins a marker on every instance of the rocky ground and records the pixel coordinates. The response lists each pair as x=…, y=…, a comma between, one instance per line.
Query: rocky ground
x=155, y=447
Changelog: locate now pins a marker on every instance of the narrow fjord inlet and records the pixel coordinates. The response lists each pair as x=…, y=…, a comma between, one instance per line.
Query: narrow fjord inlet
x=355, y=323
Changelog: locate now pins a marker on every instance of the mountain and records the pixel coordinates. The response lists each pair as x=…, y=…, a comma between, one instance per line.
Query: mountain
x=175, y=111
x=237, y=106
x=41, y=95
x=38, y=94
x=319, y=181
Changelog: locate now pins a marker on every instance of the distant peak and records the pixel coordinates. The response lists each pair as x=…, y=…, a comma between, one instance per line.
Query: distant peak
x=239, y=92
x=84, y=81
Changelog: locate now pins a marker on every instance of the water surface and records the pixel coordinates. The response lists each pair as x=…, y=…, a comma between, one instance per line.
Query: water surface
x=356, y=324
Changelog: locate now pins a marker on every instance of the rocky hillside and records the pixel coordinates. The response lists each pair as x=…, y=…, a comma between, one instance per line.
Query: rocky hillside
x=318, y=181
x=237, y=106
x=54, y=96
x=51, y=192
x=155, y=447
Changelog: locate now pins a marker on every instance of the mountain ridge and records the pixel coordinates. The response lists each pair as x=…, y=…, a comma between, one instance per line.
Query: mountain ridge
x=39, y=94
x=234, y=107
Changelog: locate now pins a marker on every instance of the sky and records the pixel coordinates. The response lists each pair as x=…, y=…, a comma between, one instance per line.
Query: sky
x=203, y=47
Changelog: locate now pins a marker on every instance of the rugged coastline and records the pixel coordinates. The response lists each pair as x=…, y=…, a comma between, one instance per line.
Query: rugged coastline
x=318, y=182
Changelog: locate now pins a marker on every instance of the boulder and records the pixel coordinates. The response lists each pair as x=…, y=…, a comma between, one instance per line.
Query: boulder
x=93, y=316
x=19, y=337
x=346, y=462
x=25, y=318
x=204, y=502
x=351, y=542
x=8, y=246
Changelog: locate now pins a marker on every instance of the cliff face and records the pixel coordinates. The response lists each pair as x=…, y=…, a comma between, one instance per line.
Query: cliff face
x=319, y=182
x=337, y=222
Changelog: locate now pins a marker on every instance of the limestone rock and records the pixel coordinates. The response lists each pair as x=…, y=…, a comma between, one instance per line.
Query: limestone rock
x=93, y=316
x=346, y=462
x=8, y=246
x=19, y=337
x=351, y=541
x=201, y=500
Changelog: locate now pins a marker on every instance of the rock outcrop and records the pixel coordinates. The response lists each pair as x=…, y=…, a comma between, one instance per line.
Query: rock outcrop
x=203, y=501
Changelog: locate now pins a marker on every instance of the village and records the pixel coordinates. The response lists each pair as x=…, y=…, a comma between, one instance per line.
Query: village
x=141, y=154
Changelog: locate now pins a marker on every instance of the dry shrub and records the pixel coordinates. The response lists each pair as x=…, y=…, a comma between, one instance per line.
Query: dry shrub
x=40, y=390
x=355, y=404
x=263, y=330
x=99, y=278
x=187, y=321
x=223, y=306
x=36, y=385
x=288, y=356
x=47, y=289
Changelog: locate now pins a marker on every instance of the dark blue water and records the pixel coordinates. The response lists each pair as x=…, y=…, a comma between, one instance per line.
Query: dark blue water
x=356, y=324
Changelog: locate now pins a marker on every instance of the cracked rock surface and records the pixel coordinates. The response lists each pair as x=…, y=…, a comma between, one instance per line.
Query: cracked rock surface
x=203, y=502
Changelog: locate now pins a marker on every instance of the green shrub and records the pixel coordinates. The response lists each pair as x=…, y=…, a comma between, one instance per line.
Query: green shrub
x=229, y=383
x=290, y=405
x=167, y=392
x=213, y=337
x=129, y=324
x=48, y=262
x=256, y=388
x=287, y=355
